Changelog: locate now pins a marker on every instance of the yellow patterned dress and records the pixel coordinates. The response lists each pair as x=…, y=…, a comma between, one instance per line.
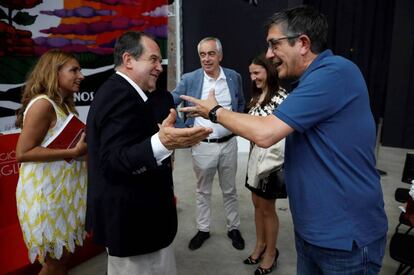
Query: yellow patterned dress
x=51, y=201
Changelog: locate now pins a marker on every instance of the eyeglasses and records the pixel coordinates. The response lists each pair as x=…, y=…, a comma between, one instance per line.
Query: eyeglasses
x=274, y=43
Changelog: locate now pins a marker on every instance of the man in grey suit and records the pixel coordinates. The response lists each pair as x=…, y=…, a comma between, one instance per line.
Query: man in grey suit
x=219, y=151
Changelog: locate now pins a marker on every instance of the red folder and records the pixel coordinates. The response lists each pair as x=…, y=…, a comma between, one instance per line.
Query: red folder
x=68, y=135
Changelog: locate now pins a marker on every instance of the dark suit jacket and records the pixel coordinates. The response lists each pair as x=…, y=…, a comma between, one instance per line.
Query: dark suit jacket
x=130, y=205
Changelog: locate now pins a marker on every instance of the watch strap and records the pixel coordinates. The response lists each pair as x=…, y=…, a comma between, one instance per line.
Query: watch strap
x=212, y=114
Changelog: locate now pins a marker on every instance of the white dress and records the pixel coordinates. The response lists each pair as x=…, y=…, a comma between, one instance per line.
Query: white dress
x=51, y=201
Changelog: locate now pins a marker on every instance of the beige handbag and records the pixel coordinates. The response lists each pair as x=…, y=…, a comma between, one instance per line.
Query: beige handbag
x=263, y=161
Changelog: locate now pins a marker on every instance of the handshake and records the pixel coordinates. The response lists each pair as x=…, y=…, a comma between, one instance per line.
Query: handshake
x=173, y=138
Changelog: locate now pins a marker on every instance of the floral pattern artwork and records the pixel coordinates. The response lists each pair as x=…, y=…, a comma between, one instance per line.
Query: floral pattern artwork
x=88, y=28
x=28, y=28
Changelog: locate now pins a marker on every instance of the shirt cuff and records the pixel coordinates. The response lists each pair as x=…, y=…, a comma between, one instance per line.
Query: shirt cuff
x=160, y=152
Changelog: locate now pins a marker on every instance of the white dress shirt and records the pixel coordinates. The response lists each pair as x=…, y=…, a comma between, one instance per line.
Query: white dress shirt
x=223, y=97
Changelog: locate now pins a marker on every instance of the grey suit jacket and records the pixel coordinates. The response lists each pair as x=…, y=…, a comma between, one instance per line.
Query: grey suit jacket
x=192, y=84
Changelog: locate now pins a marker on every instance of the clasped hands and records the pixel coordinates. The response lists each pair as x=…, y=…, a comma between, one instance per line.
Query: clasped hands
x=173, y=138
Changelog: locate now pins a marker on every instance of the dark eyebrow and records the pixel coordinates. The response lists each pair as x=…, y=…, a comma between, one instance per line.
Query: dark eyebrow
x=158, y=57
x=273, y=40
x=209, y=52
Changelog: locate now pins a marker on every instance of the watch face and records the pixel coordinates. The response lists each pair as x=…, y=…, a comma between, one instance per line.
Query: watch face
x=212, y=116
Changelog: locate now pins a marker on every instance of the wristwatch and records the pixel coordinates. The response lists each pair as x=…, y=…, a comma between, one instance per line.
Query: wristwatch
x=212, y=115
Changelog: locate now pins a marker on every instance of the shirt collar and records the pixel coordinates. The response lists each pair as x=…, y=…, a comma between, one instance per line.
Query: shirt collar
x=135, y=85
x=221, y=75
x=315, y=63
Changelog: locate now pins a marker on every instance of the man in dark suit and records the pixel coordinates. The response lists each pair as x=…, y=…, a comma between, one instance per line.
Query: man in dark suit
x=130, y=136
x=219, y=151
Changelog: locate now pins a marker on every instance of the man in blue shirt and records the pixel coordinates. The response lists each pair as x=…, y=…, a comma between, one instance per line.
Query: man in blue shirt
x=334, y=189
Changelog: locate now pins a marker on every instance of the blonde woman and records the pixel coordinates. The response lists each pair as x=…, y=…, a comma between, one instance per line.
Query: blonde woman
x=51, y=193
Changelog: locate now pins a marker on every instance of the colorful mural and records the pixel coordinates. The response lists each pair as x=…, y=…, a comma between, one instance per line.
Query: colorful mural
x=89, y=28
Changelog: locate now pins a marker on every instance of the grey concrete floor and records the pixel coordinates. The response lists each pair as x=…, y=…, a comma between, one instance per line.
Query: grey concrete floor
x=217, y=256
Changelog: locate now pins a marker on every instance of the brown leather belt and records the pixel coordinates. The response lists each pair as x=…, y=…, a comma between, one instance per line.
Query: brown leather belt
x=218, y=140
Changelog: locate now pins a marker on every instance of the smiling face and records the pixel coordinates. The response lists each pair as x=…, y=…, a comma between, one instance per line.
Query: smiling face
x=146, y=69
x=69, y=78
x=210, y=58
x=258, y=75
x=286, y=57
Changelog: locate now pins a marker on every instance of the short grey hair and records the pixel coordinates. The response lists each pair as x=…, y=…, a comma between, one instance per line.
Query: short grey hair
x=303, y=20
x=211, y=38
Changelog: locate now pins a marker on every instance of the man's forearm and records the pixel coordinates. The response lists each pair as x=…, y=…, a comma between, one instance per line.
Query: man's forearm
x=263, y=131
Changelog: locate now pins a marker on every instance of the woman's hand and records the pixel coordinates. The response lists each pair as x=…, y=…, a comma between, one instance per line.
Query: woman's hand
x=81, y=147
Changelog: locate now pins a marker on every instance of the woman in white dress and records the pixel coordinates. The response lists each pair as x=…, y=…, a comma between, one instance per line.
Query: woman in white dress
x=51, y=192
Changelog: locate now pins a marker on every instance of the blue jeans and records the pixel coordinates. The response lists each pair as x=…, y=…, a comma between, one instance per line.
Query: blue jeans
x=314, y=260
